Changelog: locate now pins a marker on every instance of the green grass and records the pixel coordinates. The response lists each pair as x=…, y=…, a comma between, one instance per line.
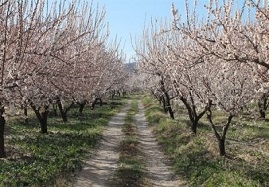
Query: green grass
x=196, y=158
x=51, y=159
x=131, y=166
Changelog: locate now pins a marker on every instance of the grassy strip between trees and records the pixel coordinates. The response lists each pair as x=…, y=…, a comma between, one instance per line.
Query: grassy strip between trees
x=36, y=159
x=196, y=158
x=131, y=166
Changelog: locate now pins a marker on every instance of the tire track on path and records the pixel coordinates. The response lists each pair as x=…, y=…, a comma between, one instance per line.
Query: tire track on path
x=99, y=168
x=158, y=172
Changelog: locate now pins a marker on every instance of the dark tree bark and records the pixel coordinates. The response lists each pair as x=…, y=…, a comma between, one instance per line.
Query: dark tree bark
x=63, y=110
x=190, y=105
x=193, y=115
x=24, y=107
x=44, y=121
x=222, y=150
x=95, y=102
x=167, y=100
x=168, y=106
x=163, y=101
x=124, y=93
x=25, y=113
x=263, y=105
x=82, y=105
x=113, y=93
x=2, y=131
x=194, y=125
x=118, y=92
x=42, y=117
x=220, y=137
x=100, y=101
x=54, y=108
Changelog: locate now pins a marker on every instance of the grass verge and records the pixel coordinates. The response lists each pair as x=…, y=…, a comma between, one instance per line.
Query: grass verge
x=51, y=159
x=131, y=166
x=196, y=158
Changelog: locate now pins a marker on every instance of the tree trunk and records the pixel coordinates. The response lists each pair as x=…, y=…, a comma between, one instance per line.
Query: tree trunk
x=25, y=112
x=101, y=101
x=42, y=117
x=64, y=111
x=64, y=116
x=193, y=115
x=124, y=93
x=169, y=108
x=263, y=105
x=113, y=93
x=2, y=130
x=194, y=125
x=220, y=137
x=44, y=122
x=54, y=107
x=95, y=102
x=81, y=106
x=171, y=113
x=167, y=100
x=164, y=104
x=262, y=114
x=221, y=142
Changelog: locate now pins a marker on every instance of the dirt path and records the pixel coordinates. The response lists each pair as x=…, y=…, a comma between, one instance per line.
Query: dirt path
x=103, y=162
x=159, y=173
x=100, y=167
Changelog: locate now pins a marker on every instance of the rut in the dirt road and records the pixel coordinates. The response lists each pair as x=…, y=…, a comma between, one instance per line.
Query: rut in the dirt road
x=159, y=174
x=99, y=168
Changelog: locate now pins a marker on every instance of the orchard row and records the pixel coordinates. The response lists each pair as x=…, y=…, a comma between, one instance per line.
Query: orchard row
x=220, y=62
x=55, y=53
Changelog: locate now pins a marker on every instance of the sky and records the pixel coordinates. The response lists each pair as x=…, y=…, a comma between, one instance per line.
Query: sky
x=127, y=18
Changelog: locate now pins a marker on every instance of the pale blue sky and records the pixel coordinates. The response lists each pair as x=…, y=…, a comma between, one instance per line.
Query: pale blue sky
x=128, y=17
